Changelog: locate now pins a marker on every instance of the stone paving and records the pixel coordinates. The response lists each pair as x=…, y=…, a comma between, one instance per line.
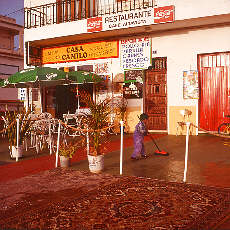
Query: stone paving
x=208, y=164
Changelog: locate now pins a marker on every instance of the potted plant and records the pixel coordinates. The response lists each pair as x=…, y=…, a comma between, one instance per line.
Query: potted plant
x=66, y=152
x=97, y=124
x=24, y=126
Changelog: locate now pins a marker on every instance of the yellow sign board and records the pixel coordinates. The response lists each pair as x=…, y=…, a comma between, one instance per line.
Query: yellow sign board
x=80, y=52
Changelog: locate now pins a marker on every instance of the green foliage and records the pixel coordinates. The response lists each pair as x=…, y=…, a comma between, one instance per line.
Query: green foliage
x=68, y=150
x=97, y=122
x=24, y=125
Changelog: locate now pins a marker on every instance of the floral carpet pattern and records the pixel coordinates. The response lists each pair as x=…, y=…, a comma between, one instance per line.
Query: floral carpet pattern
x=126, y=203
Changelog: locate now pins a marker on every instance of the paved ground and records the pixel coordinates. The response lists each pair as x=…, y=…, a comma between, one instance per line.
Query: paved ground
x=208, y=161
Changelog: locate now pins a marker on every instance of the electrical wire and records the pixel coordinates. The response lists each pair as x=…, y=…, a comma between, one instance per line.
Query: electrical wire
x=22, y=9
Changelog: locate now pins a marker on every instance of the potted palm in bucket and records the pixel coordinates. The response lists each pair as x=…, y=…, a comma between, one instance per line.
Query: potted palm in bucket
x=66, y=152
x=97, y=124
x=23, y=126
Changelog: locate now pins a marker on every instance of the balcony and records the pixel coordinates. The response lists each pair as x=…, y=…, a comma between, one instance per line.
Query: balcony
x=74, y=10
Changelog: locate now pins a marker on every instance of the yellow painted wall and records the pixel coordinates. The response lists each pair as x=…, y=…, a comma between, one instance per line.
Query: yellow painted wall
x=175, y=117
x=132, y=118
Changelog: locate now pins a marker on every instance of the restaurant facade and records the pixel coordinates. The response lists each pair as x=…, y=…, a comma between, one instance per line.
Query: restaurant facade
x=162, y=56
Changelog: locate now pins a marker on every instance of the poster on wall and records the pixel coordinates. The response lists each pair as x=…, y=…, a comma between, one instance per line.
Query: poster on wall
x=102, y=68
x=190, y=84
x=134, y=76
x=135, y=53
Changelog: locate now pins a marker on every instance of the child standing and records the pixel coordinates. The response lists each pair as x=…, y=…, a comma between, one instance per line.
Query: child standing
x=138, y=138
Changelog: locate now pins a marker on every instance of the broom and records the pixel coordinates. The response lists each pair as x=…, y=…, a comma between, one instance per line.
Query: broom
x=158, y=151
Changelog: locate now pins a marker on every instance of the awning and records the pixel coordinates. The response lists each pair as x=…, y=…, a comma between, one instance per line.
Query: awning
x=81, y=77
x=31, y=77
x=46, y=76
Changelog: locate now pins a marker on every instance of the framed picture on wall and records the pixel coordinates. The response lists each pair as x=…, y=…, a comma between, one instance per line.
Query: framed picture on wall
x=132, y=90
x=134, y=75
x=190, y=84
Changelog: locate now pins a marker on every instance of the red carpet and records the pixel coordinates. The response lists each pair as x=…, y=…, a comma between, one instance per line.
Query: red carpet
x=122, y=203
x=28, y=167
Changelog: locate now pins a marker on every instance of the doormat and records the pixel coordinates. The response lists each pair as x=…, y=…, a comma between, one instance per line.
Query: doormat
x=129, y=203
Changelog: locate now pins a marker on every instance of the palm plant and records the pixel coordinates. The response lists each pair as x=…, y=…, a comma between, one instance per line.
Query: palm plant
x=68, y=150
x=24, y=126
x=97, y=123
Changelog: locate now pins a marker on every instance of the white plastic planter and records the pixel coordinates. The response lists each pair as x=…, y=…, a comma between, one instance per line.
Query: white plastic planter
x=64, y=162
x=96, y=163
x=16, y=152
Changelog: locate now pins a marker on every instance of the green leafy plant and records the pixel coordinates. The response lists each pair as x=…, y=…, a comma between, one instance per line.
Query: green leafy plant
x=24, y=126
x=97, y=123
x=68, y=150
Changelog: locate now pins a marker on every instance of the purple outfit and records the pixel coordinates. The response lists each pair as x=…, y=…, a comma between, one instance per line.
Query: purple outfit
x=138, y=139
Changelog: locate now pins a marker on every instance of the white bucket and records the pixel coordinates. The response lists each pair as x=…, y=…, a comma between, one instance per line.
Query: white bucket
x=96, y=163
x=64, y=162
x=16, y=152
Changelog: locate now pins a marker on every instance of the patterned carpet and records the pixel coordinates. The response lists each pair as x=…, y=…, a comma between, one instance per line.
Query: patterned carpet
x=128, y=203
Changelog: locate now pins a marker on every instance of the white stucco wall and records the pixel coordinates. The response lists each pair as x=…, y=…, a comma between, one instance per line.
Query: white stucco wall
x=181, y=47
x=32, y=3
x=183, y=10
x=181, y=50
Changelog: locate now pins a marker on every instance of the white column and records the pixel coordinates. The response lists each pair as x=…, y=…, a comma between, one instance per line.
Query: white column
x=17, y=120
x=121, y=148
x=87, y=141
x=58, y=141
x=186, y=151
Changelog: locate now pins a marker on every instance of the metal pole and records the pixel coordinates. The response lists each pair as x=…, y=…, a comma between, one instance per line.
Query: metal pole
x=41, y=99
x=50, y=138
x=28, y=98
x=186, y=151
x=58, y=141
x=17, y=120
x=87, y=142
x=121, y=148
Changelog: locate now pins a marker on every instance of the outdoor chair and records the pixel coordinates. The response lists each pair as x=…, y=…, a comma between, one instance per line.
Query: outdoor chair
x=76, y=121
x=5, y=125
x=41, y=135
x=45, y=115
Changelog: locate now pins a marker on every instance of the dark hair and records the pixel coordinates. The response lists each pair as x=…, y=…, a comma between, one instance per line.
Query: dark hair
x=143, y=116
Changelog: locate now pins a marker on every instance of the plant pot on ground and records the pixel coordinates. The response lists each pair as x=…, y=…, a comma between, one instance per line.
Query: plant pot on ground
x=24, y=128
x=66, y=152
x=97, y=123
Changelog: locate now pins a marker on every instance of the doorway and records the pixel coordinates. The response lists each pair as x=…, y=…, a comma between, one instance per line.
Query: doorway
x=214, y=84
x=68, y=98
x=155, y=94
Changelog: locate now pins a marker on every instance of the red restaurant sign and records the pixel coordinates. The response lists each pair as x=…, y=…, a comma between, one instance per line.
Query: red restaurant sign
x=127, y=19
x=164, y=14
x=94, y=24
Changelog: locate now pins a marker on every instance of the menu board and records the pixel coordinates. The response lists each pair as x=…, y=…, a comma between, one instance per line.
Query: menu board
x=135, y=53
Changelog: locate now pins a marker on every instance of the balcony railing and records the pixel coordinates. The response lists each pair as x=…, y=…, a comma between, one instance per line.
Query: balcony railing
x=73, y=10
